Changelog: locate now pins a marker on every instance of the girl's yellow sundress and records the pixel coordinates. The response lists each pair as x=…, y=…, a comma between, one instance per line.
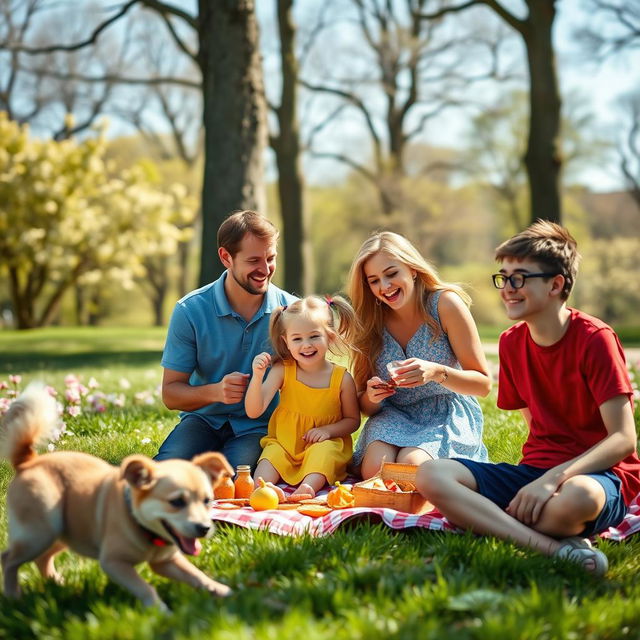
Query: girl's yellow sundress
x=301, y=408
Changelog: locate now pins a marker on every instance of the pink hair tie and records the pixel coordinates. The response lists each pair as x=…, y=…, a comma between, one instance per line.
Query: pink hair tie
x=329, y=300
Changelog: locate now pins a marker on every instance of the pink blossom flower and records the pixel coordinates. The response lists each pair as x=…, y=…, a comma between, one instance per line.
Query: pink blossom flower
x=51, y=391
x=93, y=383
x=71, y=395
x=15, y=379
x=4, y=385
x=71, y=379
x=74, y=410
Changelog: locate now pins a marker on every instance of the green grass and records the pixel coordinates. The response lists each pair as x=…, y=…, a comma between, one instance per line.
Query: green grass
x=365, y=581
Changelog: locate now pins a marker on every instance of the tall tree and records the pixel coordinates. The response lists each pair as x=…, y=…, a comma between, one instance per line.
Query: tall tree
x=233, y=113
x=629, y=147
x=406, y=72
x=543, y=158
x=612, y=30
x=285, y=142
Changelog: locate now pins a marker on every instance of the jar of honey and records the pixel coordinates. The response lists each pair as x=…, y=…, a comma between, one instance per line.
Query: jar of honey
x=225, y=490
x=244, y=482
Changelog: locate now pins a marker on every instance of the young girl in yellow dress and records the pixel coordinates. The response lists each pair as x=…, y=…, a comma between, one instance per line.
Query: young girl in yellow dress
x=308, y=442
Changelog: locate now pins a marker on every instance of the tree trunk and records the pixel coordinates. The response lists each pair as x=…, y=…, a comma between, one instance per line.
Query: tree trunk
x=22, y=304
x=233, y=117
x=298, y=272
x=183, y=268
x=158, y=307
x=543, y=159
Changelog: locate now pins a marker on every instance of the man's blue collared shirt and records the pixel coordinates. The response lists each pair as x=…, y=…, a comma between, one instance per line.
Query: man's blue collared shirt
x=208, y=339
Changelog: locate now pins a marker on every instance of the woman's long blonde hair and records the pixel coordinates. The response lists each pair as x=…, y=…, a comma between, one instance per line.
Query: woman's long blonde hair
x=368, y=339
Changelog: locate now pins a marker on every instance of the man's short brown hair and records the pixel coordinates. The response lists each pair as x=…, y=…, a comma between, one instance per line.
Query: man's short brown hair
x=238, y=224
x=548, y=244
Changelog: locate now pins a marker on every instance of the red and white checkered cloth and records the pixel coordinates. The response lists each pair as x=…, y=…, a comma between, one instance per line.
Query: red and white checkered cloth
x=629, y=526
x=293, y=523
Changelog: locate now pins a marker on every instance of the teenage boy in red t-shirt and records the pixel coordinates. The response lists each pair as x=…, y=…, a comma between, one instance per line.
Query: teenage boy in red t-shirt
x=566, y=373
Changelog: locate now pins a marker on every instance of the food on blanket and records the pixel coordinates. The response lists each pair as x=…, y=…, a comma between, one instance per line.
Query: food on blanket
x=243, y=502
x=378, y=484
x=314, y=510
x=281, y=495
x=263, y=497
x=407, y=486
x=228, y=506
x=392, y=485
x=244, y=482
x=340, y=497
x=316, y=500
x=226, y=489
x=287, y=506
x=299, y=497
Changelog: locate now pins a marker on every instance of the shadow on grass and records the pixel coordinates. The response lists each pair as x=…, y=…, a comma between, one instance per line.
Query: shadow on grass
x=16, y=363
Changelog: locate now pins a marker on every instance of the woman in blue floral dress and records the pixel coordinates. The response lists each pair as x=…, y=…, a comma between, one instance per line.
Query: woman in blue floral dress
x=423, y=406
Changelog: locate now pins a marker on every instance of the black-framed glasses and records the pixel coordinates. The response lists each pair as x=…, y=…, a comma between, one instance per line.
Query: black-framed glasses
x=517, y=280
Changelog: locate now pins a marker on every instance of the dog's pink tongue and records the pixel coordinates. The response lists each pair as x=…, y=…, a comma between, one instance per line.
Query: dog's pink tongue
x=190, y=546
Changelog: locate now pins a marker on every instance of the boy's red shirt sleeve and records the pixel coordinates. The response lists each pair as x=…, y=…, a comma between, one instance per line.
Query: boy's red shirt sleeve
x=508, y=394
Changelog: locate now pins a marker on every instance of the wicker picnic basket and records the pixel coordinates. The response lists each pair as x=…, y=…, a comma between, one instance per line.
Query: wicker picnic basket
x=407, y=501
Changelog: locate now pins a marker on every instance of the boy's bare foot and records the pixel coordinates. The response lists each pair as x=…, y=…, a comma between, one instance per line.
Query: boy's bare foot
x=305, y=489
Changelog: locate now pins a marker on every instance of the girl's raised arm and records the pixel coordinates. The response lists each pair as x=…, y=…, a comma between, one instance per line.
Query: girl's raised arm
x=259, y=394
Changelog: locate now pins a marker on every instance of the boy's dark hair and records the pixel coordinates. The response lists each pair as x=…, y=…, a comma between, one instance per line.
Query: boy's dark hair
x=548, y=244
x=238, y=224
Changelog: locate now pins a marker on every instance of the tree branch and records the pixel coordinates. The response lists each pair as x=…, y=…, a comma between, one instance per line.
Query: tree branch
x=508, y=17
x=174, y=34
x=72, y=47
x=367, y=173
x=357, y=102
x=114, y=78
x=164, y=8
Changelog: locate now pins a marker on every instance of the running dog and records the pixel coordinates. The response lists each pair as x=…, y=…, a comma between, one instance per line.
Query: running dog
x=143, y=511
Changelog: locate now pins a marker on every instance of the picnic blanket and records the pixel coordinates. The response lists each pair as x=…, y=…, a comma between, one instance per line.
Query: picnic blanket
x=293, y=523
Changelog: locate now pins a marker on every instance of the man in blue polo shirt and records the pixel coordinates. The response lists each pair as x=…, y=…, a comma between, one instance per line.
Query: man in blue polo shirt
x=214, y=334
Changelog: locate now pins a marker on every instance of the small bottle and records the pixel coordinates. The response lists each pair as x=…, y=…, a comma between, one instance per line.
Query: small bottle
x=225, y=490
x=244, y=482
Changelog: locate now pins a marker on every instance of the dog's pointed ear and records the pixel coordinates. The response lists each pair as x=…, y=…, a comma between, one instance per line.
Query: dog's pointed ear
x=214, y=464
x=138, y=471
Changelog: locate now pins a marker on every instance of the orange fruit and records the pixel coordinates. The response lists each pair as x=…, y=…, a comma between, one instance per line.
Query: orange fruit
x=314, y=510
x=263, y=498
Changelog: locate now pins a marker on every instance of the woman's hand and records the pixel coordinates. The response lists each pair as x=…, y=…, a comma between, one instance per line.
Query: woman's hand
x=317, y=434
x=415, y=372
x=378, y=389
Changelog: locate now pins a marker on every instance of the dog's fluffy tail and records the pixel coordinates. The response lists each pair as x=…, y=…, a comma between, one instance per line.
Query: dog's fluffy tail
x=30, y=419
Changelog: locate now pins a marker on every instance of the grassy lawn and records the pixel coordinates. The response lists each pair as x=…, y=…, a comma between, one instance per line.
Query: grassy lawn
x=365, y=581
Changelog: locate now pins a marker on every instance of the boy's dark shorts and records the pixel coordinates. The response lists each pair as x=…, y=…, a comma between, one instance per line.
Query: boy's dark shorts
x=500, y=483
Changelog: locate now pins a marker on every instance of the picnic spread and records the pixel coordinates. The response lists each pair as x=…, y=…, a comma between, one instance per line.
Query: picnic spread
x=390, y=499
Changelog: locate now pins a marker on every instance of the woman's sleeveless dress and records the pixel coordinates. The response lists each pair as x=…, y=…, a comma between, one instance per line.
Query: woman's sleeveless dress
x=302, y=408
x=443, y=423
